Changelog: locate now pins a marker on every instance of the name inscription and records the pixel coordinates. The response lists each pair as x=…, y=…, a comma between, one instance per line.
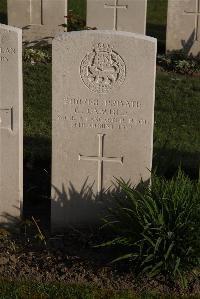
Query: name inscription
x=5, y=53
x=106, y=114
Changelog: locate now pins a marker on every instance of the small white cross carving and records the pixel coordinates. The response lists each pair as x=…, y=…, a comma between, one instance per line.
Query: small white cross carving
x=30, y=10
x=196, y=13
x=100, y=159
x=115, y=7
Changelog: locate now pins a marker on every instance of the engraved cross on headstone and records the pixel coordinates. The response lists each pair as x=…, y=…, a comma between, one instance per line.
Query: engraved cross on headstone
x=41, y=11
x=100, y=159
x=115, y=7
x=195, y=13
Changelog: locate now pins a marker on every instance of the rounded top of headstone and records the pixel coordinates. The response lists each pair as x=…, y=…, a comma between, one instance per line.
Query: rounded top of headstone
x=66, y=35
x=10, y=28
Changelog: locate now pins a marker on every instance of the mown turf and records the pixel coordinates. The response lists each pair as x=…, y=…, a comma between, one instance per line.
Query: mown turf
x=79, y=7
x=20, y=290
x=177, y=124
x=37, y=111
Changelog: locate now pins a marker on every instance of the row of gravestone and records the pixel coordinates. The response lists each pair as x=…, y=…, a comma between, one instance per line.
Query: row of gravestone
x=103, y=85
x=183, y=24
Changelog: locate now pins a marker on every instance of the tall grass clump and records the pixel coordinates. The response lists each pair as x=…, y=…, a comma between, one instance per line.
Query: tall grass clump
x=157, y=230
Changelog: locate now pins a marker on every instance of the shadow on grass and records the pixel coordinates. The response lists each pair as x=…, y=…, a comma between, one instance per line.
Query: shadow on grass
x=79, y=208
x=69, y=208
x=3, y=18
x=84, y=208
x=37, y=179
x=166, y=162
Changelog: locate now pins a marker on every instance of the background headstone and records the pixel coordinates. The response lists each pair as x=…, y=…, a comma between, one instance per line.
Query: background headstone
x=54, y=12
x=11, y=123
x=183, y=26
x=22, y=13
x=121, y=15
x=103, y=114
x=41, y=20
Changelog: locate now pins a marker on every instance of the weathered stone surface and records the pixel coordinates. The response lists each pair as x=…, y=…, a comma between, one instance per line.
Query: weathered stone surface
x=183, y=26
x=38, y=35
x=11, y=123
x=121, y=15
x=103, y=114
x=54, y=12
x=22, y=13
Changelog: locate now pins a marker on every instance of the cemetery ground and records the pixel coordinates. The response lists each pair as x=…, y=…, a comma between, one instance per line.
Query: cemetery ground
x=79, y=269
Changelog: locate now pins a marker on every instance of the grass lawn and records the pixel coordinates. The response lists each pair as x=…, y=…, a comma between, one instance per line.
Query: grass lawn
x=21, y=290
x=14, y=290
x=177, y=127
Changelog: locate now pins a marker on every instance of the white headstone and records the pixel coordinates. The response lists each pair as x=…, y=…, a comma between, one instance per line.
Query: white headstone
x=51, y=13
x=103, y=115
x=22, y=13
x=121, y=15
x=11, y=124
x=183, y=26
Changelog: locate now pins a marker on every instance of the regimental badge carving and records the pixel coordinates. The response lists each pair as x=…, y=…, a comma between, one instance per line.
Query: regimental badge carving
x=102, y=69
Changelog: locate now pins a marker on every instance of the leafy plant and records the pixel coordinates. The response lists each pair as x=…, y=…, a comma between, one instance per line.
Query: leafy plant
x=75, y=22
x=32, y=233
x=178, y=62
x=36, y=56
x=157, y=229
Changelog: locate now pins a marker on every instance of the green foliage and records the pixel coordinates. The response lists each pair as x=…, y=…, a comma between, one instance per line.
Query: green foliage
x=180, y=63
x=78, y=7
x=37, y=111
x=157, y=12
x=156, y=21
x=30, y=290
x=31, y=233
x=6, y=240
x=36, y=56
x=177, y=125
x=157, y=229
x=75, y=22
